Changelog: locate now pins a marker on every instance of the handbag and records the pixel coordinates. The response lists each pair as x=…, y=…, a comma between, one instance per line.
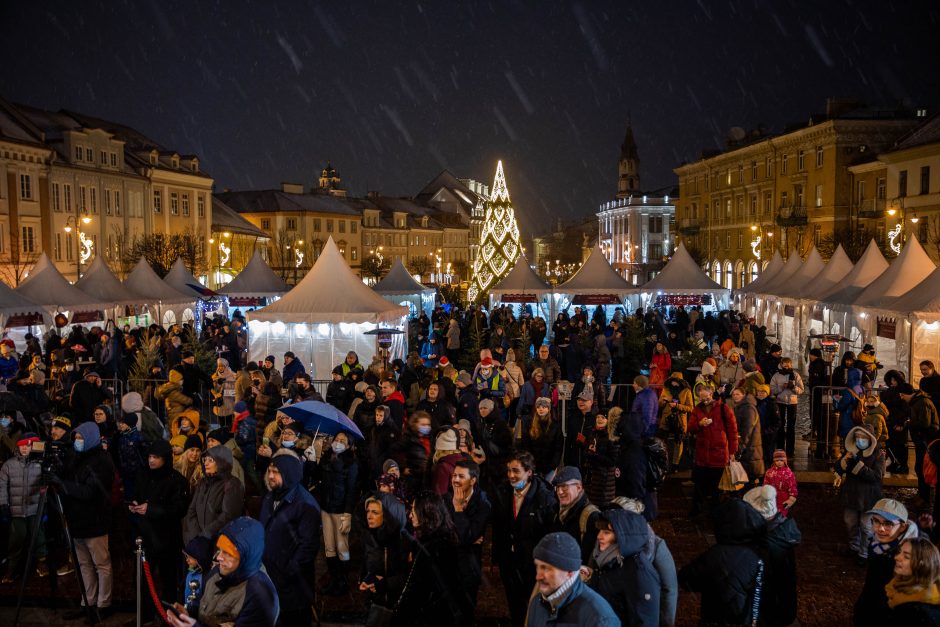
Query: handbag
x=381, y=616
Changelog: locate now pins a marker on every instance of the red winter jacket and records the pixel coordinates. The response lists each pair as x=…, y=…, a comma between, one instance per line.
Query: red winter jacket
x=716, y=443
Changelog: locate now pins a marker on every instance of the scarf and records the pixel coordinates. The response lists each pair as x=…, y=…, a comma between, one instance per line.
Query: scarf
x=888, y=548
x=896, y=596
x=564, y=509
x=556, y=597
x=608, y=555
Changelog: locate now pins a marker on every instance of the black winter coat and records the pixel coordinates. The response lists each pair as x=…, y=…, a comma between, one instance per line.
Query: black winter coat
x=633, y=465
x=431, y=595
x=338, y=476
x=412, y=457
x=291, y=542
x=87, y=493
x=547, y=449
x=442, y=412
x=572, y=526
x=382, y=441
x=515, y=536
x=385, y=552
x=471, y=526
x=778, y=598
x=166, y=493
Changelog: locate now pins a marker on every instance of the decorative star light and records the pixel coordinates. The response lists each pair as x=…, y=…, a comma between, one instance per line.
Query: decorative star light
x=893, y=236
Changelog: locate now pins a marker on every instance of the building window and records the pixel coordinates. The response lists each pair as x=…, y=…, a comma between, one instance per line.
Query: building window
x=107, y=202
x=82, y=198
x=819, y=195
x=902, y=183
x=117, y=202
x=113, y=159
x=329, y=226
x=342, y=226
x=93, y=199
x=768, y=167
x=58, y=247
x=860, y=193
x=157, y=201
x=354, y=252
x=266, y=224
x=739, y=214
x=817, y=233
x=104, y=157
x=656, y=224
x=752, y=209
x=342, y=247
x=925, y=179
x=185, y=204
x=26, y=187
x=784, y=199
x=741, y=173
x=728, y=208
x=56, y=197
x=881, y=189
x=200, y=206
x=784, y=163
x=353, y=227
x=291, y=224
x=656, y=251
x=800, y=160
x=154, y=159
x=316, y=224
x=798, y=200
x=768, y=203
x=29, y=242
x=819, y=156
x=89, y=155
x=67, y=198
x=753, y=170
x=728, y=241
x=740, y=241
x=78, y=153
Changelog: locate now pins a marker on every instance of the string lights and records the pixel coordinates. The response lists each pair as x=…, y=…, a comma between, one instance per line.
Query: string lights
x=499, y=240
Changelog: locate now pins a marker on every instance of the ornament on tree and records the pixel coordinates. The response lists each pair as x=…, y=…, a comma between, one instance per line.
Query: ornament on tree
x=499, y=240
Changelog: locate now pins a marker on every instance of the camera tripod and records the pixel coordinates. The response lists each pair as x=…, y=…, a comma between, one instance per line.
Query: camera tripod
x=44, y=492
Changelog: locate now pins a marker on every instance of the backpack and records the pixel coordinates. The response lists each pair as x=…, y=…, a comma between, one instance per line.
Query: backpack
x=586, y=513
x=657, y=462
x=859, y=412
x=929, y=466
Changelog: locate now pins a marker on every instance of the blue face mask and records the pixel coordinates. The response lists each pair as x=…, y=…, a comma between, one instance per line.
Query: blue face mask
x=519, y=485
x=862, y=443
x=287, y=444
x=424, y=430
x=6, y=422
x=79, y=445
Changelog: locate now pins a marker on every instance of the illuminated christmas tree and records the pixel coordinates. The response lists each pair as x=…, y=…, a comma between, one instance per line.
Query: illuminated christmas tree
x=499, y=241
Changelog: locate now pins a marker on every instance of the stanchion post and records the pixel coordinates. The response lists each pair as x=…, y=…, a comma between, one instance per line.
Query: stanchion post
x=140, y=555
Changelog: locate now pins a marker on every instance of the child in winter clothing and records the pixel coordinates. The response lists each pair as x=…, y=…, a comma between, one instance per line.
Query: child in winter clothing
x=19, y=502
x=859, y=474
x=781, y=477
x=198, y=554
x=876, y=415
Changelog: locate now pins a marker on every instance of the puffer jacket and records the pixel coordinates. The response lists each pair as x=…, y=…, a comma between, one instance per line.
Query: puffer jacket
x=217, y=500
x=223, y=392
x=750, y=445
x=19, y=485
x=781, y=390
x=726, y=574
x=175, y=401
x=862, y=472
x=629, y=582
x=716, y=443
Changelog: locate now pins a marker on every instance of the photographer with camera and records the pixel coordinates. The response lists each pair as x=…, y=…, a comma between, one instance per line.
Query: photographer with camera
x=85, y=486
x=19, y=503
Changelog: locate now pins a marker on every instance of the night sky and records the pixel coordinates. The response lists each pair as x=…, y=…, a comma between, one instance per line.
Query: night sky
x=393, y=92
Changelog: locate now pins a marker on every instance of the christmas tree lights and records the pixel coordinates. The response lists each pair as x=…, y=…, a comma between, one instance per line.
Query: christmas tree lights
x=499, y=240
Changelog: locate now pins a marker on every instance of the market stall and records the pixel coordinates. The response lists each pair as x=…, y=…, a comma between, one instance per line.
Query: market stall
x=595, y=284
x=399, y=287
x=18, y=311
x=51, y=291
x=205, y=300
x=791, y=332
x=125, y=305
x=682, y=282
x=523, y=285
x=914, y=318
x=326, y=315
x=744, y=299
x=168, y=302
x=255, y=286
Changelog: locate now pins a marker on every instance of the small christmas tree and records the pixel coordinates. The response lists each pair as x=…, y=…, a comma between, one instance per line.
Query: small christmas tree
x=499, y=241
x=146, y=357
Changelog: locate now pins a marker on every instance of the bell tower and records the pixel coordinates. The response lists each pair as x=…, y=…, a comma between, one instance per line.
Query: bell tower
x=629, y=166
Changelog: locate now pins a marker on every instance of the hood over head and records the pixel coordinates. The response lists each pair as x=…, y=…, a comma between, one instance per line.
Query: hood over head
x=162, y=448
x=736, y=522
x=247, y=535
x=223, y=459
x=851, y=446
x=629, y=527
x=90, y=433
x=291, y=469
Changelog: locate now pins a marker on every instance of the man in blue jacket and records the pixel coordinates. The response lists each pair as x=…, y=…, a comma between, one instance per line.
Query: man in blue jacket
x=292, y=367
x=562, y=597
x=291, y=519
x=645, y=405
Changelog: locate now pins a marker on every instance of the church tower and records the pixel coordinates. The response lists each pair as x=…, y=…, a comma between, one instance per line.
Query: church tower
x=629, y=183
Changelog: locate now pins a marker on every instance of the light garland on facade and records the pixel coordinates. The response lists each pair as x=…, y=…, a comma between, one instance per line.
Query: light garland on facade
x=893, y=236
x=87, y=247
x=499, y=241
x=755, y=247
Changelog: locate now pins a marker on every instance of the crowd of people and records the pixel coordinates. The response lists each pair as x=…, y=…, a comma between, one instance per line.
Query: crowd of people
x=461, y=448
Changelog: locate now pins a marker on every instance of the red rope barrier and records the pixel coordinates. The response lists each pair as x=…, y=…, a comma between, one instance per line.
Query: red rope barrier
x=153, y=589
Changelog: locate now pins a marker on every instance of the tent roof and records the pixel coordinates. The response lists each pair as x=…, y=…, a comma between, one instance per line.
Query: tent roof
x=48, y=288
x=922, y=298
x=144, y=280
x=522, y=279
x=256, y=280
x=596, y=276
x=869, y=266
x=908, y=269
x=683, y=275
x=99, y=282
x=182, y=280
x=399, y=281
x=774, y=283
x=330, y=293
x=836, y=269
x=773, y=267
x=812, y=265
x=12, y=302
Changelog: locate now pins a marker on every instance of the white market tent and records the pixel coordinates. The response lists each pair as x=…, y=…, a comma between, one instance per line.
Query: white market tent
x=812, y=265
x=167, y=300
x=868, y=268
x=15, y=308
x=183, y=281
x=683, y=276
x=918, y=313
x=99, y=282
x=256, y=280
x=399, y=287
x=743, y=297
x=766, y=308
x=791, y=328
x=836, y=269
x=909, y=268
x=523, y=285
x=595, y=283
x=46, y=287
x=325, y=316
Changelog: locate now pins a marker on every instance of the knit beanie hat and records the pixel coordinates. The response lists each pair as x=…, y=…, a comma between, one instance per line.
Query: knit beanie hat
x=560, y=550
x=389, y=463
x=446, y=440
x=487, y=403
x=749, y=365
x=240, y=407
x=131, y=403
x=708, y=367
x=763, y=499
x=543, y=401
x=780, y=454
x=220, y=435
x=193, y=441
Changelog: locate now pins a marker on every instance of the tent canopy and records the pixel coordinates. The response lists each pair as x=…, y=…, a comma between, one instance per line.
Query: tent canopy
x=399, y=282
x=812, y=266
x=48, y=288
x=144, y=280
x=596, y=276
x=682, y=275
x=99, y=282
x=775, y=282
x=923, y=298
x=182, y=280
x=256, y=280
x=908, y=269
x=773, y=267
x=12, y=302
x=868, y=268
x=838, y=267
x=330, y=293
x=522, y=279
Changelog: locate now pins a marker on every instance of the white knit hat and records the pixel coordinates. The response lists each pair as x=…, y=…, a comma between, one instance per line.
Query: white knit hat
x=764, y=500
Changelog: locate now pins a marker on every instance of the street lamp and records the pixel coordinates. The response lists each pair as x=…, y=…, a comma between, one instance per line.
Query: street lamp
x=84, y=246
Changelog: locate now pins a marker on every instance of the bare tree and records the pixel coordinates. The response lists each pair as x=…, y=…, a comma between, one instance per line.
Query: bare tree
x=161, y=252
x=16, y=264
x=420, y=265
x=854, y=240
x=375, y=266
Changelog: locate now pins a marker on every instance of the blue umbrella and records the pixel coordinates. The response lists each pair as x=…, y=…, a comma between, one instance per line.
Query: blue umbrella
x=320, y=417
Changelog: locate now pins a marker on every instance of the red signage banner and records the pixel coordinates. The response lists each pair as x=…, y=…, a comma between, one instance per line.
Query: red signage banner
x=597, y=299
x=818, y=315
x=87, y=316
x=686, y=300
x=789, y=310
x=518, y=298
x=887, y=328
x=246, y=302
x=23, y=320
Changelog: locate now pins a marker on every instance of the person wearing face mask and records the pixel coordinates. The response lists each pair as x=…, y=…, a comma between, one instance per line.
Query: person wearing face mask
x=338, y=470
x=292, y=437
x=859, y=475
x=523, y=509
x=11, y=432
x=291, y=519
x=413, y=450
x=85, y=487
x=786, y=385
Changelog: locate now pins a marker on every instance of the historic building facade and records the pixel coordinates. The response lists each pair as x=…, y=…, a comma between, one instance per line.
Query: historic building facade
x=785, y=192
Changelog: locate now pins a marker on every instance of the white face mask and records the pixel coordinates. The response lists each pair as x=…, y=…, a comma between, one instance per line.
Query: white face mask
x=862, y=443
x=338, y=447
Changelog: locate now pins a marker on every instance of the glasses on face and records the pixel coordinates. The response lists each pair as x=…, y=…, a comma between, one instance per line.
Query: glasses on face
x=564, y=487
x=884, y=524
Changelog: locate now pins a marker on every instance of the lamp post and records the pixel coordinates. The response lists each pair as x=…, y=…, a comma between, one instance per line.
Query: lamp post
x=896, y=235
x=84, y=247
